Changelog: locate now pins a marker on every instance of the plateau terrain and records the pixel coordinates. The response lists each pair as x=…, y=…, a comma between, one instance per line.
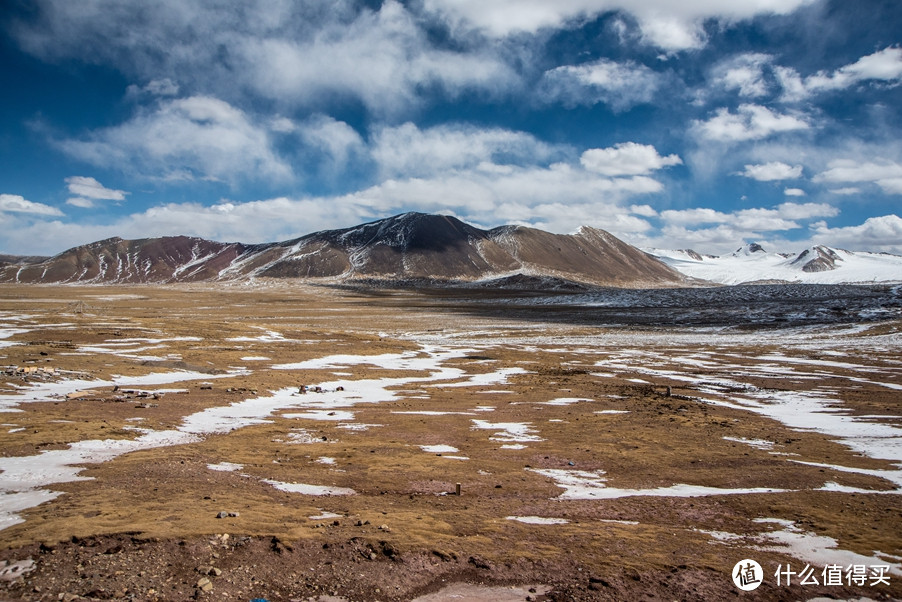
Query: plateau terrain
x=270, y=438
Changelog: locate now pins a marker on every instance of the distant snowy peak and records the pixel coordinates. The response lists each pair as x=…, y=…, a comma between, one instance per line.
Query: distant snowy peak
x=816, y=265
x=749, y=250
x=818, y=259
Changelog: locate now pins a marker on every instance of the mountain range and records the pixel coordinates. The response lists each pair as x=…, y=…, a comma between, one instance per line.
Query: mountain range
x=818, y=264
x=407, y=247
x=418, y=247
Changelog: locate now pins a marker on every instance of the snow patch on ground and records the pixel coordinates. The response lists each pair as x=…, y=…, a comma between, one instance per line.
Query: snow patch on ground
x=305, y=489
x=225, y=467
x=538, y=520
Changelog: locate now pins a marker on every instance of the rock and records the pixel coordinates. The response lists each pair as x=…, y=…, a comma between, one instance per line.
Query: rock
x=204, y=585
x=222, y=514
x=384, y=528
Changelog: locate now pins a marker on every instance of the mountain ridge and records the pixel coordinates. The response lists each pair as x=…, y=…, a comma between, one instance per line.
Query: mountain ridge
x=406, y=247
x=818, y=264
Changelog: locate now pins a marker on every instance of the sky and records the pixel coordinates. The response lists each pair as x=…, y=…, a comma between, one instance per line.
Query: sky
x=696, y=124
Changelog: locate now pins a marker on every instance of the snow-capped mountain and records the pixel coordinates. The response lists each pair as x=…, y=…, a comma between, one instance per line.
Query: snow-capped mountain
x=815, y=265
x=412, y=246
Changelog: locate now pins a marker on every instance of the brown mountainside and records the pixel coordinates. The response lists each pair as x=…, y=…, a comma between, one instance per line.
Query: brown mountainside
x=412, y=246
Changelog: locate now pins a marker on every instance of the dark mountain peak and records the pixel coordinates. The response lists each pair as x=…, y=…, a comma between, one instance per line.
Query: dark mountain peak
x=409, y=232
x=749, y=249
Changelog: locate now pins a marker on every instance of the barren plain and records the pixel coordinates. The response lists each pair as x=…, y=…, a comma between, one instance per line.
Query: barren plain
x=293, y=442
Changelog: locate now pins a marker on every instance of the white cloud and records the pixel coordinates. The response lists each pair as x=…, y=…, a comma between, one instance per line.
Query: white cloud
x=188, y=138
x=156, y=87
x=848, y=190
x=88, y=190
x=14, y=203
x=666, y=24
x=882, y=233
x=793, y=87
x=884, y=65
x=644, y=210
x=793, y=192
x=626, y=159
x=885, y=174
x=298, y=54
x=620, y=85
x=331, y=140
x=772, y=171
x=744, y=73
x=782, y=217
x=339, y=60
x=408, y=151
x=750, y=122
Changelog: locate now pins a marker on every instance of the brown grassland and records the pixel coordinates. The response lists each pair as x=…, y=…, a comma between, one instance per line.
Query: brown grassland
x=144, y=525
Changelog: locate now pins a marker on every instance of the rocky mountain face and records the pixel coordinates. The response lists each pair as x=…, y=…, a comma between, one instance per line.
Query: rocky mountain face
x=412, y=246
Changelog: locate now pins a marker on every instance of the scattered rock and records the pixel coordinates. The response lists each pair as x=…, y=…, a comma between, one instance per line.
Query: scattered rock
x=205, y=585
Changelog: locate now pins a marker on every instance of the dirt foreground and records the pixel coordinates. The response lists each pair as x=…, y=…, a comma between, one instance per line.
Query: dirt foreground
x=288, y=442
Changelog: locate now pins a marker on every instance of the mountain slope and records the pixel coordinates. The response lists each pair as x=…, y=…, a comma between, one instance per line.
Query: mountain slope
x=815, y=265
x=412, y=246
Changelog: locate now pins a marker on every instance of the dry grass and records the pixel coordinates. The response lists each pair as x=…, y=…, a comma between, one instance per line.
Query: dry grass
x=169, y=493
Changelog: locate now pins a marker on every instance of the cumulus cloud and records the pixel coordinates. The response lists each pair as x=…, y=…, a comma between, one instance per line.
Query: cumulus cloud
x=14, y=203
x=882, y=233
x=409, y=151
x=793, y=192
x=885, y=174
x=750, y=122
x=619, y=85
x=185, y=139
x=772, y=171
x=668, y=25
x=627, y=159
x=785, y=216
x=88, y=190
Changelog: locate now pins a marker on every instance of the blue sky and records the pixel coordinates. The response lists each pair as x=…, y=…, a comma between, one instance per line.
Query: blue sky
x=695, y=124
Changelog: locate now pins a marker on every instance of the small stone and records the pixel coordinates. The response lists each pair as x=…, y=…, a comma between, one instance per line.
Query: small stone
x=204, y=585
x=215, y=572
x=373, y=556
x=222, y=514
x=384, y=528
